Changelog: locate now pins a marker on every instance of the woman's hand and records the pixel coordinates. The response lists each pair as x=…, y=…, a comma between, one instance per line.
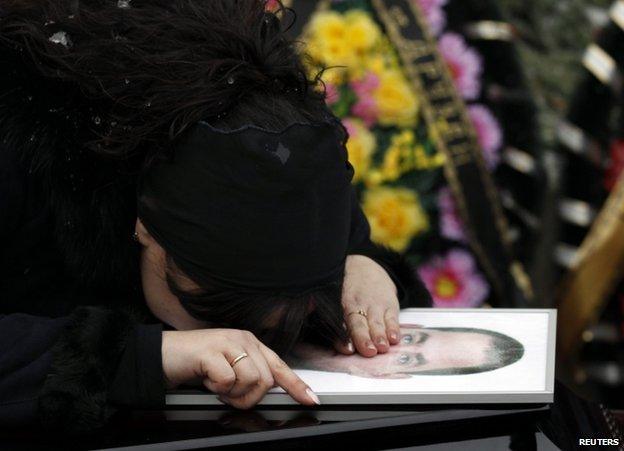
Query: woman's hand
x=206, y=355
x=367, y=287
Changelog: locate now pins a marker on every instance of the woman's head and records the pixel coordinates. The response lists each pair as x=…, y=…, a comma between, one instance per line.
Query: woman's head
x=277, y=320
x=251, y=208
x=154, y=70
x=259, y=220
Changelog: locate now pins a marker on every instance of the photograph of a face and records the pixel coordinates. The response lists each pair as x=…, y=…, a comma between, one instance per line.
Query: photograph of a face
x=455, y=354
x=445, y=356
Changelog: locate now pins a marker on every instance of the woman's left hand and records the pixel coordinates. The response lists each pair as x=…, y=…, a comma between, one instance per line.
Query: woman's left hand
x=368, y=288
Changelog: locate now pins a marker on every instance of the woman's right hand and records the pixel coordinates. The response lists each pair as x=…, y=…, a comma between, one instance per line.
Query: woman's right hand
x=205, y=354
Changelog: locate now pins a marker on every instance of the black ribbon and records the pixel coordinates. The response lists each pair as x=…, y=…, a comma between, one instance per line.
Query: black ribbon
x=465, y=170
x=472, y=186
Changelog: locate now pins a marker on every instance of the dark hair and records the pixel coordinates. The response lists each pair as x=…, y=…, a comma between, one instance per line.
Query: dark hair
x=155, y=67
x=503, y=351
x=248, y=311
x=151, y=69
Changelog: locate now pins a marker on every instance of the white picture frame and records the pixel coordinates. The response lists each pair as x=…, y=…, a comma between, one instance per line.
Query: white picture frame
x=528, y=380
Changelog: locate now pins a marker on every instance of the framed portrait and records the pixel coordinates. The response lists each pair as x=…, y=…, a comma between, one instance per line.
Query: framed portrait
x=445, y=356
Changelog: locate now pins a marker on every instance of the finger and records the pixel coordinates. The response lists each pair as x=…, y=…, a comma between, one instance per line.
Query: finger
x=245, y=401
x=218, y=376
x=247, y=374
x=288, y=379
x=393, y=328
x=377, y=329
x=255, y=395
x=265, y=382
x=358, y=328
x=344, y=348
x=252, y=397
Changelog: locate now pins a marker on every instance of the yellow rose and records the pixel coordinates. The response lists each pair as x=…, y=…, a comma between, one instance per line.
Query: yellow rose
x=395, y=216
x=362, y=31
x=333, y=75
x=336, y=39
x=404, y=154
x=391, y=166
x=374, y=178
x=398, y=158
x=396, y=103
x=361, y=146
x=382, y=59
x=375, y=62
x=327, y=25
x=328, y=39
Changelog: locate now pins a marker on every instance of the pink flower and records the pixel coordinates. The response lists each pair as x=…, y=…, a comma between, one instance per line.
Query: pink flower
x=464, y=63
x=350, y=126
x=451, y=225
x=489, y=133
x=366, y=107
x=435, y=15
x=454, y=281
x=332, y=95
x=365, y=86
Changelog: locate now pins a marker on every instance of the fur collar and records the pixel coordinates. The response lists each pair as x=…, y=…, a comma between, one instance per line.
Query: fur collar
x=92, y=198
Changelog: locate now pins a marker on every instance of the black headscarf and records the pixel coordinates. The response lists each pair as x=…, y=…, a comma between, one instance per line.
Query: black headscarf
x=252, y=209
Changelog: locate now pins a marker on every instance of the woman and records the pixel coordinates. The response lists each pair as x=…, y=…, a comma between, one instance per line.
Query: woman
x=192, y=127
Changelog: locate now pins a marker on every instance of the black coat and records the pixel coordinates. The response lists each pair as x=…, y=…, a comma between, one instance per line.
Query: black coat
x=76, y=341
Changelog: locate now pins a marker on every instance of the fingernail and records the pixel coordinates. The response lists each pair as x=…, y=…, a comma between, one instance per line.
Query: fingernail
x=370, y=345
x=393, y=335
x=381, y=341
x=313, y=396
x=350, y=347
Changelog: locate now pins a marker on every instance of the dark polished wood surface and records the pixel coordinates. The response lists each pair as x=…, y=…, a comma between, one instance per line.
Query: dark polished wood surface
x=521, y=427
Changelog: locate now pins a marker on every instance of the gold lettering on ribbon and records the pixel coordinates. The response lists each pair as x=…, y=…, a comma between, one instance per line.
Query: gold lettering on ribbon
x=440, y=91
x=455, y=130
x=460, y=153
x=429, y=69
x=445, y=113
x=399, y=16
x=415, y=49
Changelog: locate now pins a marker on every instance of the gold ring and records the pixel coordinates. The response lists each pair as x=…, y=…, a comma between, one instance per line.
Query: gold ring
x=359, y=312
x=239, y=358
